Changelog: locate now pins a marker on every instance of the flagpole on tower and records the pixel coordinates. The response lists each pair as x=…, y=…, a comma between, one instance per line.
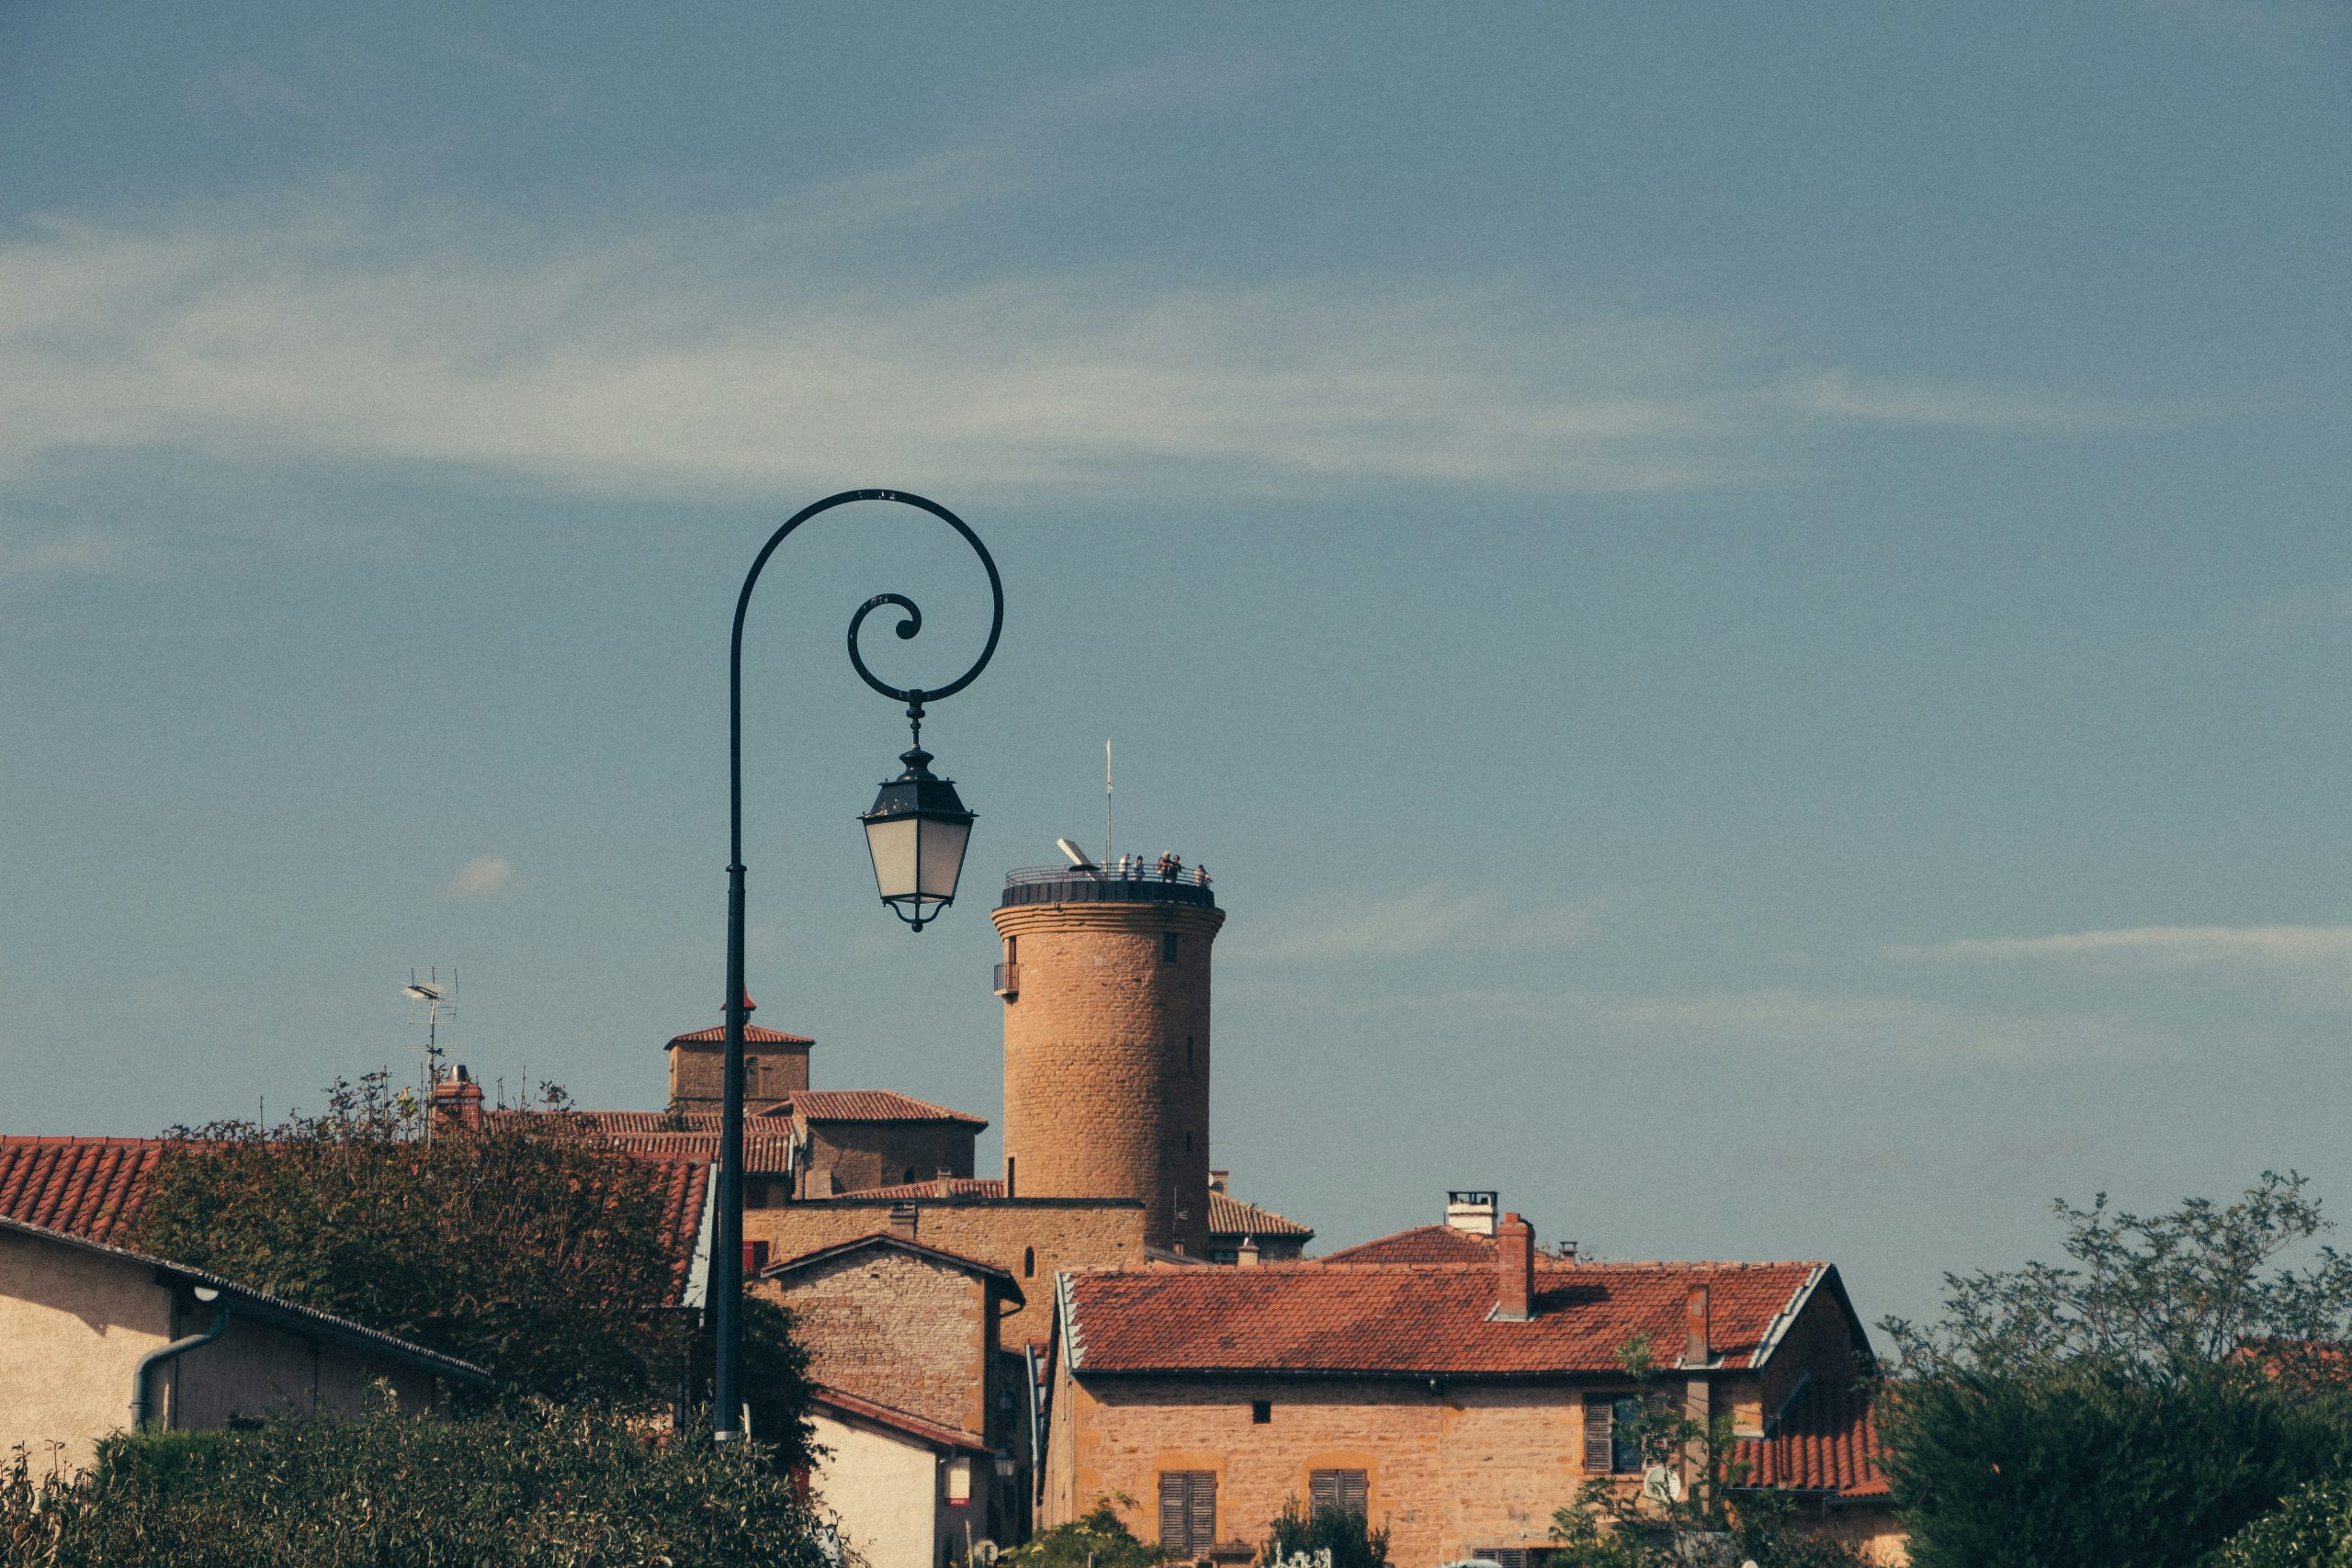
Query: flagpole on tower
x=1106, y=803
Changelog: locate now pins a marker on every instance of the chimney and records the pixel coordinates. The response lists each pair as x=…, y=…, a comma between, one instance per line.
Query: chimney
x=1248, y=1256
x=1514, y=1270
x=1699, y=1349
x=1217, y=1179
x=458, y=1099
x=941, y=1181
x=902, y=1220
x=1470, y=1211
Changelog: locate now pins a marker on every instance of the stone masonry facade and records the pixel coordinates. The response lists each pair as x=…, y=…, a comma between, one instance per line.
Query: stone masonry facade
x=902, y=1330
x=1106, y=1059
x=1030, y=1238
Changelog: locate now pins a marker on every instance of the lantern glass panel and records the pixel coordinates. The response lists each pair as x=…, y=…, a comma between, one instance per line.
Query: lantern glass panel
x=895, y=844
x=941, y=860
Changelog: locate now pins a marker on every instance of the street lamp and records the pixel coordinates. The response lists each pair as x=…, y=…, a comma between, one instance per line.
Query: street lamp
x=915, y=831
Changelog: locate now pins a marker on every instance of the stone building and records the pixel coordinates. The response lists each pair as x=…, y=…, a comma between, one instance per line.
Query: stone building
x=1458, y=1401
x=917, y=1398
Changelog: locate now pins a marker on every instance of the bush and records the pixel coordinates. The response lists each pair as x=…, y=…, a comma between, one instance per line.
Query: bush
x=2123, y=1467
x=1343, y=1532
x=1097, y=1538
x=531, y=1486
x=2311, y=1529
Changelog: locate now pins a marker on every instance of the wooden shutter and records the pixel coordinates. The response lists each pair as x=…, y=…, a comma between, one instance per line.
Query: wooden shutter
x=1344, y=1489
x=1173, y=1490
x=1188, y=1509
x=1202, y=1520
x=1598, y=1434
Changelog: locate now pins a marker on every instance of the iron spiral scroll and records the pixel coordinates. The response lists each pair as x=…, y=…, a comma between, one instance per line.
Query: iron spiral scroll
x=910, y=623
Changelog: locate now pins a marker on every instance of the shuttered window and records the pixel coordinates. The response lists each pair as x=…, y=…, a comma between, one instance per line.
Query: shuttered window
x=1344, y=1489
x=1188, y=1509
x=1607, y=1418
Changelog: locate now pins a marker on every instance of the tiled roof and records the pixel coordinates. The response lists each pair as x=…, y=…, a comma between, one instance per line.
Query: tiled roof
x=681, y=1215
x=870, y=1105
x=957, y=1187
x=1825, y=1441
x=752, y=1035
x=843, y=1402
x=1420, y=1319
x=1422, y=1243
x=897, y=1243
x=1229, y=1215
x=270, y=1308
x=85, y=1187
x=767, y=1149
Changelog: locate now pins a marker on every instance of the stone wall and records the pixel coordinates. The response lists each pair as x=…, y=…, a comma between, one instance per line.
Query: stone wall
x=1106, y=1059
x=1030, y=1238
x=697, y=1070
x=905, y=1331
x=857, y=1155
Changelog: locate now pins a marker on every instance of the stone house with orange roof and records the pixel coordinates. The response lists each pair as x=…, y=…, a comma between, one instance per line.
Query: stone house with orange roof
x=1459, y=1400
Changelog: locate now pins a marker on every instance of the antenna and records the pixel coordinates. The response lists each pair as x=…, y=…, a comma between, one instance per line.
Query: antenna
x=1106, y=803
x=431, y=998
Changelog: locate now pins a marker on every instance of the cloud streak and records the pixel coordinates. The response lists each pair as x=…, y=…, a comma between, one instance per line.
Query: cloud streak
x=482, y=876
x=754, y=355
x=1431, y=920
x=2317, y=948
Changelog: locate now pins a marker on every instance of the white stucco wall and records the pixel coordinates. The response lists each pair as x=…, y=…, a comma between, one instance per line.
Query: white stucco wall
x=883, y=1492
x=72, y=1327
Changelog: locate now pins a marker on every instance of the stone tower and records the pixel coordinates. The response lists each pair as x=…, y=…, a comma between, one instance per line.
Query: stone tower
x=1106, y=981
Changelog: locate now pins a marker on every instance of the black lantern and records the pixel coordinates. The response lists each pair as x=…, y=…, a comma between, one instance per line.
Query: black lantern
x=916, y=834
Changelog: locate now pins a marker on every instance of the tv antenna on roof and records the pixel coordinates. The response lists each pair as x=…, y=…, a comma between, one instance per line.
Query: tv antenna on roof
x=431, y=998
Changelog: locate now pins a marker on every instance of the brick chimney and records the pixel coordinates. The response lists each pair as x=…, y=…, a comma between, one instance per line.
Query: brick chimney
x=1699, y=1349
x=457, y=1098
x=902, y=1220
x=1514, y=1270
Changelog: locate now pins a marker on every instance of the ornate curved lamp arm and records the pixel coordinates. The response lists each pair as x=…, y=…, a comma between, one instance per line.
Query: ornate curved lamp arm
x=725, y=1288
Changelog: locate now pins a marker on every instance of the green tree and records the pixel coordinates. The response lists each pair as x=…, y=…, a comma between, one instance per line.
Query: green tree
x=1706, y=1513
x=2134, y=1406
x=530, y=1245
x=528, y=1485
x=2165, y=1294
x=1345, y=1533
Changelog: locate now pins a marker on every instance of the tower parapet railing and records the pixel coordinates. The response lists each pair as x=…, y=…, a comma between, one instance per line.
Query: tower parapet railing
x=1129, y=880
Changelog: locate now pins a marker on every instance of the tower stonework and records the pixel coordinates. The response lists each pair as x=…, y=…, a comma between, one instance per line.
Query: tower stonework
x=1106, y=1042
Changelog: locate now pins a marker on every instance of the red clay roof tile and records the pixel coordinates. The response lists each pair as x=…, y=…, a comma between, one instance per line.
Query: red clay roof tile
x=90, y=1188
x=1230, y=1216
x=1825, y=1441
x=752, y=1035
x=1419, y=1319
x=870, y=1105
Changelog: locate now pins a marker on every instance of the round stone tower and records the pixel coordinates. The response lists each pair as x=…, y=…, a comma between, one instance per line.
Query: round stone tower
x=1106, y=981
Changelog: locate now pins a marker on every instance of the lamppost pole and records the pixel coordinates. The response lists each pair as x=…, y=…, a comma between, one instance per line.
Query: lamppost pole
x=916, y=832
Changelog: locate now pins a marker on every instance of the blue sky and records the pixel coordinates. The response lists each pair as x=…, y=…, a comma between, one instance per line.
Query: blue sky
x=1749, y=605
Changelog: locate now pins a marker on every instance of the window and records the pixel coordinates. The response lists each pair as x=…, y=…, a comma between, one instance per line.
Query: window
x=1168, y=947
x=1028, y=1262
x=1188, y=1509
x=1345, y=1489
x=910, y=1174
x=1607, y=1416
x=1262, y=1411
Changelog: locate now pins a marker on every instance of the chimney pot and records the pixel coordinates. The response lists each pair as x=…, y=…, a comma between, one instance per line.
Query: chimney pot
x=1218, y=1180
x=1699, y=1350
x=1514, y=1270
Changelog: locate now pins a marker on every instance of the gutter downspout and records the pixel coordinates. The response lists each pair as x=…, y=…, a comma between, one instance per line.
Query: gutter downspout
x=141, y=1406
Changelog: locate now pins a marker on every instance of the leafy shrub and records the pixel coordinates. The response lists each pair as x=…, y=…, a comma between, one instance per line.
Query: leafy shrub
x=1096, y=1539
x=2114, y=1465
x=530, y=1486
x=1343, y=1532
x=2312, y=1529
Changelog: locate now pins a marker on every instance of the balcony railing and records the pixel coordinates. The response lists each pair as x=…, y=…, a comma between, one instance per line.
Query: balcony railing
x=1133, y=881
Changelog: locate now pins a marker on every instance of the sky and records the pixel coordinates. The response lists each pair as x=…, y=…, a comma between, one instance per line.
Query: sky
x=1749, y=607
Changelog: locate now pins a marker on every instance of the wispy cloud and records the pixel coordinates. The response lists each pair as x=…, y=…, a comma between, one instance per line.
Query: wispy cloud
x=1431, y=920
x=69, y=551
x=482, y=876
x=2321, y=948
x=1985, y=406
x=1879, y=1027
